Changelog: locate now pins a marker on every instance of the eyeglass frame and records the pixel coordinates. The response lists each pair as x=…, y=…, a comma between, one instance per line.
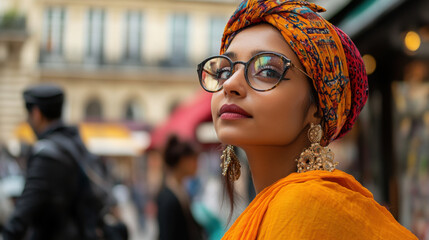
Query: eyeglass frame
x=288, y=65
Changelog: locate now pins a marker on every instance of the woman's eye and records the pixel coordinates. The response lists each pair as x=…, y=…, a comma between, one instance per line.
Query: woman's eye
x=269, y=73
x=223, y=74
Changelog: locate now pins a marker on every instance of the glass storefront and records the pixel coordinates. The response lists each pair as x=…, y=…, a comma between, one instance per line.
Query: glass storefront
x=411, y=132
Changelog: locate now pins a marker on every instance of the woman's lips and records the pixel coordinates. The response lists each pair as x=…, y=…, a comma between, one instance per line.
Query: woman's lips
x=232, y=111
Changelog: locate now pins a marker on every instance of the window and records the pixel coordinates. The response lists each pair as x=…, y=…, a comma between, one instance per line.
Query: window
x=95, y=36
x=217, y=24
x=93, y=110
x=179, y=38
x=53, y=32
x=133, y=30
x=133, y=112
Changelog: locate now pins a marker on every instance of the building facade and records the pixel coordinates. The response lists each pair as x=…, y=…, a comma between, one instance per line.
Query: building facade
x=117, y=60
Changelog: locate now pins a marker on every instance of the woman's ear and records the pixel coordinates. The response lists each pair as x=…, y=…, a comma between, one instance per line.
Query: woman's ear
x=313, y=115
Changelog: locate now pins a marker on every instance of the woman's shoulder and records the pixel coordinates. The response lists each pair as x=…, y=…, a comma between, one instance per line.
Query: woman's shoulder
x=310, y=195
x=326, y=197
x=334, y=209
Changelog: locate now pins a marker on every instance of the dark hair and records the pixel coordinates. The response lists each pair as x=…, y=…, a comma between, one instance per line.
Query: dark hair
x=49, y=111
x=230, y=190
x=314, y=97
x=176, y=149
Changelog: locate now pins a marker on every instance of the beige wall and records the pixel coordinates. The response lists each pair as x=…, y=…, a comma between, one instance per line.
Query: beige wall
x=75, y=33
x=18, y=69
x=114, y=34
x=6, y=5
x=156, y=24
x=199, y=36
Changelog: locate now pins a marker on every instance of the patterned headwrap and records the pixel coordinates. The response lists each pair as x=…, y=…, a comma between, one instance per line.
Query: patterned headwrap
x=327, y=54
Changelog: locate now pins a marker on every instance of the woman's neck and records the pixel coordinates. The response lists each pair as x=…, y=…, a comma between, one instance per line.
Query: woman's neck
x=175, y=183
x=176, y=175
x=268, y=164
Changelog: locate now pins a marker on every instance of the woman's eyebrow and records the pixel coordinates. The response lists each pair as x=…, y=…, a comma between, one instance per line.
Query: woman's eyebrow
x=231, y=55
x=257, y=51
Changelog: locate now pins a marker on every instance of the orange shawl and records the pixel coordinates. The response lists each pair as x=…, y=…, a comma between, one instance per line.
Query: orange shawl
x=316, y=205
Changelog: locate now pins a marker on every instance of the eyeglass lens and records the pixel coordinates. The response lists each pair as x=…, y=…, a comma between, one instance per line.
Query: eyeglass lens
x=263, y=71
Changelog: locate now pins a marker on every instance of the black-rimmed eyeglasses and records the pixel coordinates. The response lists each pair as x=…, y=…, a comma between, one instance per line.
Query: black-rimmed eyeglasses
x=262, y=72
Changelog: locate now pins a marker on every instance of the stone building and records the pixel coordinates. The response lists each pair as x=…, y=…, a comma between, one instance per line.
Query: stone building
x=117, y=60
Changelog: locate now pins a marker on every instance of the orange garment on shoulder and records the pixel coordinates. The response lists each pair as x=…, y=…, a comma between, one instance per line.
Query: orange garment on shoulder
x=316, y=205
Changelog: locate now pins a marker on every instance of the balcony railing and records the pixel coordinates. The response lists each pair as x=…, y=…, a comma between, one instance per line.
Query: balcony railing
x=13, y=27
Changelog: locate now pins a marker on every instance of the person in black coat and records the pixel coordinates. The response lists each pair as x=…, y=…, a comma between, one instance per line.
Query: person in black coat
x=175, y=220
x=44, y=211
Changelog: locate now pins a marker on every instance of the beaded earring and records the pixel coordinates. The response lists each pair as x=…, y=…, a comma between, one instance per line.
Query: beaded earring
x=230, y=164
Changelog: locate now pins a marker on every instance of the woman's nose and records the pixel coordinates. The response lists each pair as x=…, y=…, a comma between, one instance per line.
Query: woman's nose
x=236, y=84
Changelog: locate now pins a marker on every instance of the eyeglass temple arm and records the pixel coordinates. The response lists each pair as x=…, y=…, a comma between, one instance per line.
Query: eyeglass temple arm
x=302, y=71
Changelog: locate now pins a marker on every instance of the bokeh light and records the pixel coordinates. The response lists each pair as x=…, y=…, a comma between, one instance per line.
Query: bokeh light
x=370, y=63
x=412, y=41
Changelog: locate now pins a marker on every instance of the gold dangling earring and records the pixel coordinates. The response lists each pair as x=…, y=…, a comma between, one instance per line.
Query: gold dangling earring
x=230, y=164
x=316, y=157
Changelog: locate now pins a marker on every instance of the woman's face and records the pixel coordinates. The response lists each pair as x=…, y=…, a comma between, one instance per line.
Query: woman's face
x=189, y=165
x=276, y=117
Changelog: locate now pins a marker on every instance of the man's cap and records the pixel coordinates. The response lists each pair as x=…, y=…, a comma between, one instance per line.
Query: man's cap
x=48, y=98
x=44, y=94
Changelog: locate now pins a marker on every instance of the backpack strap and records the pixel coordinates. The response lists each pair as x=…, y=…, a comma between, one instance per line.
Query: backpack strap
x=77, y=151
x=46, y=148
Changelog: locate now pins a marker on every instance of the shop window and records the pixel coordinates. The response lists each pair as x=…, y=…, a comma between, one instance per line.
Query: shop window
x=411, y=140
x=133, y=111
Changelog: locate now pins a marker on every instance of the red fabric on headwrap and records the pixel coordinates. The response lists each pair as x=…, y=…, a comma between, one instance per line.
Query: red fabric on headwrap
x=327, y=54
x=358, y=80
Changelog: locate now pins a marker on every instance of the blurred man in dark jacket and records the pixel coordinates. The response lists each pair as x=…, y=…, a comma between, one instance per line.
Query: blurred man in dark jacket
x=45, y=211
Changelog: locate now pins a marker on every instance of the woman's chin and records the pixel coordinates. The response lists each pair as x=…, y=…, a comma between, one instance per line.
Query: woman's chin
x=235, y=139
x=229, y=139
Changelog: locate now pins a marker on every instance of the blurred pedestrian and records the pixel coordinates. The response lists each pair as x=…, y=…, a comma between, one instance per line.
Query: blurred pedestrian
x=11, y=183
x=45, y=210
x=175, y=218
x=287, y=83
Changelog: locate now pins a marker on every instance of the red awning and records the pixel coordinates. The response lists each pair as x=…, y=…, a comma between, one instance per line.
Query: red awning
x=184, y=120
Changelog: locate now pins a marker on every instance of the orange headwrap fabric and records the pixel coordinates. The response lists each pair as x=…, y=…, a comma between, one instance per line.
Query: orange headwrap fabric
x=316, y=205
x=327, y=54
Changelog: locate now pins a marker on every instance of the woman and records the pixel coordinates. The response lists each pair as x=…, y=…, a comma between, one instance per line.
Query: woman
x=175, y=219
x=286, y=85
